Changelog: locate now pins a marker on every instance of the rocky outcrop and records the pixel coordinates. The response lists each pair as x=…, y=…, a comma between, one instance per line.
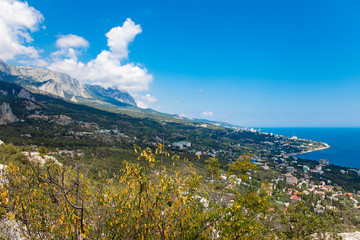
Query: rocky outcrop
x=10, y=229
x=3, y=92
x=7, y=116
x=37, y=158
x=62, y=119
x=350, y=236
x=24, y=94
x=4, y=67
x=114, y=92
x=73, y=99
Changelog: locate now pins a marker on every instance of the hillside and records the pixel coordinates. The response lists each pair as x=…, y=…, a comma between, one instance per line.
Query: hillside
x=184, y=164
x=53, y=122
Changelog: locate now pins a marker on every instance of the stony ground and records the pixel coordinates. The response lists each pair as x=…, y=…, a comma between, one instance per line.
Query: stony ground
x=350, y=236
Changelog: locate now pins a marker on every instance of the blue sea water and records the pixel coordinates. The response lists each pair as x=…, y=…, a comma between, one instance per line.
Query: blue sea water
x=344, y=143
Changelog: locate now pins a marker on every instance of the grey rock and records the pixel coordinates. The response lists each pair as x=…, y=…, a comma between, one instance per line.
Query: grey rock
x=115, y=93
x=4, y=67
x=4, y=93
x=24, y=94
x=7, y=116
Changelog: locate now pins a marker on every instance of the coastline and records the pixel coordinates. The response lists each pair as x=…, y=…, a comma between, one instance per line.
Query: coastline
x=344, y=143
x=313, y=150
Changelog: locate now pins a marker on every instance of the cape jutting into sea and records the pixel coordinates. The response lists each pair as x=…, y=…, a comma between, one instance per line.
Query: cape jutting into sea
x=344, y=143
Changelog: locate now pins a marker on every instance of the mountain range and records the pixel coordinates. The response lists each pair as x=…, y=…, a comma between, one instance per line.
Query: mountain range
x=62, y=85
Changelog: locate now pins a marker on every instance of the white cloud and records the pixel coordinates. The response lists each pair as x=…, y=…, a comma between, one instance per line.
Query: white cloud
x=207, y=114
x=71, y=41
x=68, y=53
x=200, y=90
x=34, y=62
x=144, y=101
x=107, y=70
x=17, y=20
x=120, y=37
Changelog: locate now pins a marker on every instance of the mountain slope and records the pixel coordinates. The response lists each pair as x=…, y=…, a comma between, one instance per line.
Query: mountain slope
x=53, y=122
x=62, y=85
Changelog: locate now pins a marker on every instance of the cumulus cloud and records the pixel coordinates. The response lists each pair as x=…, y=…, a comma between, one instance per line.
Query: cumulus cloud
x=207, y=114
x=17, y=21
x=120, y=37
x=144, y=101
x=107, y=69
x=68, y=53
x=71, y=41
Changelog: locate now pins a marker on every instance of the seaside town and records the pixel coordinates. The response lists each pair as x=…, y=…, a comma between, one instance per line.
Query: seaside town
x=291, y=179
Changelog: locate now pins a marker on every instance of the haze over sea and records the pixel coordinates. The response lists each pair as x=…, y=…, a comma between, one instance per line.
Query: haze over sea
x=344, y=143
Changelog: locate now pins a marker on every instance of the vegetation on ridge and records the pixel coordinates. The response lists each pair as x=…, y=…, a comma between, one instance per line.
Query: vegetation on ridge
x=142, y=201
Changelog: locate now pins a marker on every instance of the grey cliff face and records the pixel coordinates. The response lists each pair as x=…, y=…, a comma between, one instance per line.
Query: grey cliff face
x=4, y=93
x=53, y=82
x=7, y=116
x=24, y=94
x=4, y=67
x=114, y=93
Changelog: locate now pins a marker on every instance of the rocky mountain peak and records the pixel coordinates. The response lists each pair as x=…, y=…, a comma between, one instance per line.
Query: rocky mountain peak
x=64, y=86
x=4, y=67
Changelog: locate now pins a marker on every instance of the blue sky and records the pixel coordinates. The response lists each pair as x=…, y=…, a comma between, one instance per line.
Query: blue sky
x=251, y=63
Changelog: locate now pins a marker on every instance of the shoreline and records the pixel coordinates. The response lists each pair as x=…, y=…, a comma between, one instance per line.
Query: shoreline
x=308, y=151
x=313, y=150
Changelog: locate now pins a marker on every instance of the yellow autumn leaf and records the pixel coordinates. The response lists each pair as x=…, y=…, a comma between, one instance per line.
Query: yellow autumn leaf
x=83, y=235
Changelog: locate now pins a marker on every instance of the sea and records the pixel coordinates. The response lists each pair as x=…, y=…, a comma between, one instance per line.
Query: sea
x=344, y=143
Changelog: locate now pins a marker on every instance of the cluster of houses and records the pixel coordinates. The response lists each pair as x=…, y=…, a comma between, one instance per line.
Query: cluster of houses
x=99, y=131
x=307, y=186
x=181, y=144
x=298, y=186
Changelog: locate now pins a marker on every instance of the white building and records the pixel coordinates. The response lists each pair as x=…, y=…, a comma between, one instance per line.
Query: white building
x=324, y=162
x=181, y=144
